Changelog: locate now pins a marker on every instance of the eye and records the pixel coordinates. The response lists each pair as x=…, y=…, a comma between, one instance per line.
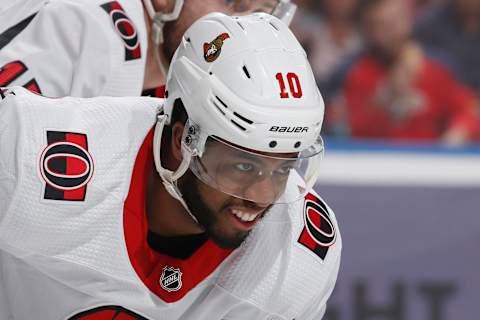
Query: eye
x=244, y=167
x=284, y=170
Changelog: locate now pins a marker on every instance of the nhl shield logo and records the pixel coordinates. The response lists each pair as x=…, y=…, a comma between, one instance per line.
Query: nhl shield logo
x=171, y=279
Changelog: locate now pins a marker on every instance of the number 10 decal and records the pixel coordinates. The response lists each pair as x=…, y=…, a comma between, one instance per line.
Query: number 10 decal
x=293, y=83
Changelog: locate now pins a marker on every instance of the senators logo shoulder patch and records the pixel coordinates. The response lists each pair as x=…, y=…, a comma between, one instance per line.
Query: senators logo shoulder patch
x=125, y=28
x=66, y=166
x=319, y=232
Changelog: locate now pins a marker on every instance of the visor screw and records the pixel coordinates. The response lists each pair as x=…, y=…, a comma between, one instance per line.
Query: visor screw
x=188, y=140
x=297, y=144
x=273, y=144
x=191, y=130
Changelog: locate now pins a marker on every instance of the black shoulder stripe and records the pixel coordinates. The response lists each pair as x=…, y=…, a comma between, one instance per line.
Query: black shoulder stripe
x=13, y=31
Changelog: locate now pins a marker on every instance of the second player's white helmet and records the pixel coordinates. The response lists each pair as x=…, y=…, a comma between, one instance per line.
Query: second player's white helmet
x=254, y=109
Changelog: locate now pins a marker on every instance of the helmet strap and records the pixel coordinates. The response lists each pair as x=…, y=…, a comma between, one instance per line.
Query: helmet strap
x=158, y=22
x=160, y=18
x=169, y=178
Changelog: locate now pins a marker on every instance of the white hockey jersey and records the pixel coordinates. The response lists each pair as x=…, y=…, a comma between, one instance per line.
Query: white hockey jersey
x=73, y=48
x=73, y=228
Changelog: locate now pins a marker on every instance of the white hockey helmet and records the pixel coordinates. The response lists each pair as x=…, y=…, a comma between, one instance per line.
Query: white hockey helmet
x=254, y=109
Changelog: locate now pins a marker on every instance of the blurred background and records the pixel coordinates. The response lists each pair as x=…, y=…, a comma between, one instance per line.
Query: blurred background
x=396, y=70
x=401, y=83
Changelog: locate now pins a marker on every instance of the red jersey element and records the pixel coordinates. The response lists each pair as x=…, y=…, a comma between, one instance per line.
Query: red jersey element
x=212, y=50
x=158, y=92
x=107, y=313
x=11, y=71
x=150, y=264
x=445, y=103
x=33, y=86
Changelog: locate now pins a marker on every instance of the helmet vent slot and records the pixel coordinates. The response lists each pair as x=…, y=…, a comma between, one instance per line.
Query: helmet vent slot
x=223, y=103
x=243, y=118
x=238, y=125
x=218, y=108
x=241, y=25
x=241, y=122
x=274, y=26
x=246, y=72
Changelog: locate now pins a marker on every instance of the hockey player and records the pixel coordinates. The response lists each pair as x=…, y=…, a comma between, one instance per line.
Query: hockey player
x=196, y=207
x=99, y=47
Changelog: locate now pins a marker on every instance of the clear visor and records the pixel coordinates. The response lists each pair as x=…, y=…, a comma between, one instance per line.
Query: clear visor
x=258, y=177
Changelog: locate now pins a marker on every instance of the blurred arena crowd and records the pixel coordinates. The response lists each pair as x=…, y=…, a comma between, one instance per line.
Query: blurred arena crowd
x=396, y=70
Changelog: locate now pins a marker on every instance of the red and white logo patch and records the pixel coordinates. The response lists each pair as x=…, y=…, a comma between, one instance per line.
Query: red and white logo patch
x=125, y=29
x=319, y=232
x=66, y=166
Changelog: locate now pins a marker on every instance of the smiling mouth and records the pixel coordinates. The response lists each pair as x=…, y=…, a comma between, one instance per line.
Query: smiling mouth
x=245, y=219
x=243, y=215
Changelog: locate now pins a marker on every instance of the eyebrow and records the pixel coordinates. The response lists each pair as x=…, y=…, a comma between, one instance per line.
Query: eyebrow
x=246, y=156
x=257, y=160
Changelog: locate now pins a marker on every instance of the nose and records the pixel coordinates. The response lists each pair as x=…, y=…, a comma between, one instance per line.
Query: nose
x=261, y=191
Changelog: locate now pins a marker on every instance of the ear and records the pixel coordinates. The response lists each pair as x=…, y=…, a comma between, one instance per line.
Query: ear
x=176, y=143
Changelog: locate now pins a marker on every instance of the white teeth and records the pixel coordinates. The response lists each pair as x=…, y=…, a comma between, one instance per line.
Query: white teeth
x=246, y=217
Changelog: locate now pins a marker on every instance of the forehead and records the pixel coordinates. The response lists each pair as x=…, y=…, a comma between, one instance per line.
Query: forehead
x=234, y=149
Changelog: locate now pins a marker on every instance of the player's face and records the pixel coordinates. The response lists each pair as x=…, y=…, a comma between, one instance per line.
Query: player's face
x=219, y=213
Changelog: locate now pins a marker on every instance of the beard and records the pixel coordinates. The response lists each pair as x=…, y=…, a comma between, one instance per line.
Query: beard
x=208, y=218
